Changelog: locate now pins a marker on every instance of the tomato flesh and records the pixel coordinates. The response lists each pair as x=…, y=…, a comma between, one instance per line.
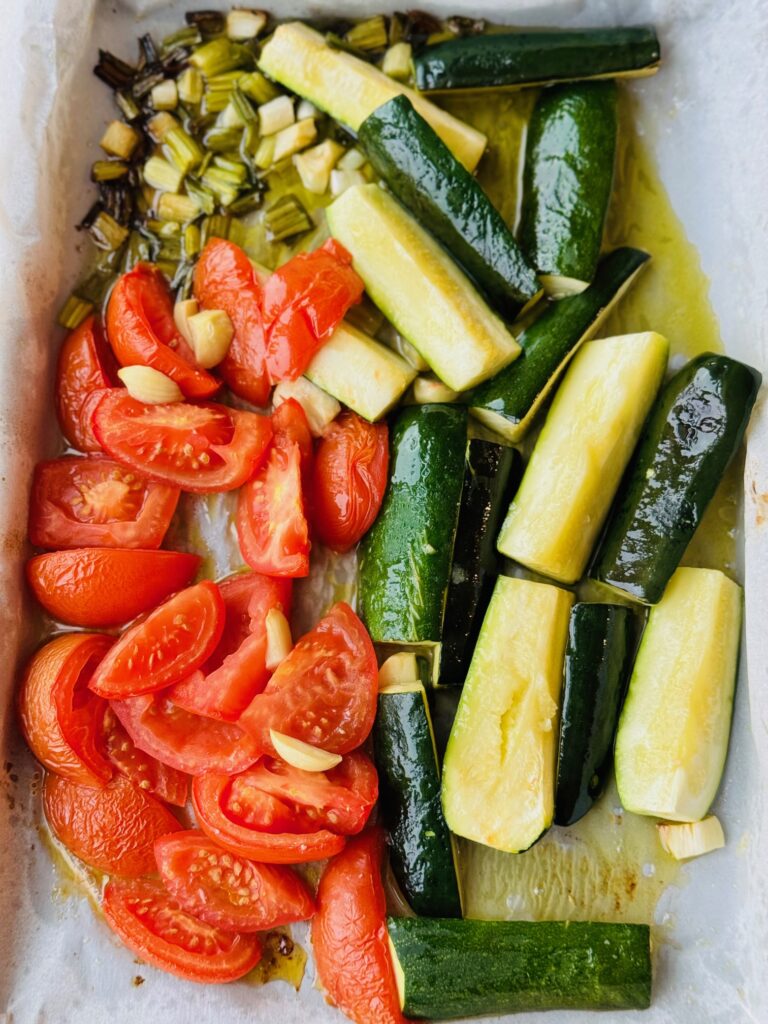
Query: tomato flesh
x=104, y=587
x=181, y=740
x=164, y=648
x=144, y=771
x=94, y=502
x=141, y=331
x=324, y=692
x=227, y=891
x=304, y=301
x=349, y=476
x=224, y=279
x=60, y=718
x=349, y=935
x=200, y=448
x=83, y=371
x=112, y=829
x=154, y=926
x=242, y=828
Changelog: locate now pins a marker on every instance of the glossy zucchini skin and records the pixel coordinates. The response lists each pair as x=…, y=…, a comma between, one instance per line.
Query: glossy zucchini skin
x=692, y=433
x=568, y=178
x=523, y=58
x=491, y=471
x=598, y=659
x=405, y=558
x=446, y=199
x=455, y=969
x=420, y=844
x=509, y=401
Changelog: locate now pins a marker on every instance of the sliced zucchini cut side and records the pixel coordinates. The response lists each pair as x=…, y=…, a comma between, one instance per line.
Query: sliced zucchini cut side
x=672, y=740
x=421, y=847
x=499, y=766
x=419, y=288
x=349, y=89
x=586, y=442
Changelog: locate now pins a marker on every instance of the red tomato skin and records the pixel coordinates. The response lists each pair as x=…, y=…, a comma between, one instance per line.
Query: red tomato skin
x=209, y=800
x=60, y=718
x=226, y=445
x=141, y=331
x=272, y=527
x=96, y=502
x=349, y=935
x=349, y=477
x=106, y=587
x=324, y=692
x=112, y=829
x=152, y=925
x=187, y=742
x=304, y=301
x=224, y=279
x=145, y=658
x=144, y=771
x=212, y=890
x=290, y=424
x=84, y=367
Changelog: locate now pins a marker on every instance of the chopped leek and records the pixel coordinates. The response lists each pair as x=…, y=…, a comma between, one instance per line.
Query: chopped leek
x=183, y=150
x=190, y=86
x=218, y=91
x=223, y=140
x=104, y=230
x=165, y=95
x=242, y=106
x=185, y=37
x=162, y=175
x=295, y=138
x=692, y=839
x=129, y=108
x=217, y=226
x=205, y=199
x=74, y=311
x=160, y=124
x=220, y=55
x=108, y=170
x=191, y=241
x=115, y=72
x=179, y=209
x=397, y=62
x=246, y=202
x=276, y=115
x=306, y=109
x=265, y=152
x=257, y=87
x=342, y=180
x=120, y=140
x=370, y=34
x=286, y=218
x=210, y=23
x=245, y=24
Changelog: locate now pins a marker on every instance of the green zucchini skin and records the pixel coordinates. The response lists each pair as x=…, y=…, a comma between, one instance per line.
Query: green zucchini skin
x=509, y=401
x=466, y=968
x=405, y=558
x=446, y=199
x=693, y=431
x=523, y=58
x=598, y=659
x=491, y=470
x=420, y=849
x=568, y=177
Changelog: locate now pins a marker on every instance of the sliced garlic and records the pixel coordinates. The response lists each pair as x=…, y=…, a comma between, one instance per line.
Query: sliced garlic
x=279, y=640
x=303, y=755
x=182, y=311
x=692, y=839
x=149, y=386
x=210, y=336
x=399, y=668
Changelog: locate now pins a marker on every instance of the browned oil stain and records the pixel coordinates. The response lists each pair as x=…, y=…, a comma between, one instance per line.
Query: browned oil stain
x=283, y=959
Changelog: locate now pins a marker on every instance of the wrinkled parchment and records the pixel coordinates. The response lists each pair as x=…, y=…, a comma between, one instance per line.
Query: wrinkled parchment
x=705, y=116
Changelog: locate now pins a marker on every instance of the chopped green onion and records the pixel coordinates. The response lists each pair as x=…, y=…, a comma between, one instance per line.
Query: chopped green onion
x=246, y=203
x=160, y=124
x=115, y=72
x=128, y=106
x=165, y=95
x=218, y=91
x=183, y=150
x=242, y=105
x=223, y=140
x=74, y=311
x=205, y=199
x=245, y=24
x=370, y=34
x=220, y=55
x=285, y=218
x=263, y=157
x=232, y=165
x=162, y=175
x=191, y=241
x=257, y=87
x=190, y=86
x=217, y=226
x=276, y=115
x=224, y=183
x=108, y=170
x=185, y=37
x=210, y=23
x=397, y=62
x=295, y=138
x=104, y=229
x=120, y=140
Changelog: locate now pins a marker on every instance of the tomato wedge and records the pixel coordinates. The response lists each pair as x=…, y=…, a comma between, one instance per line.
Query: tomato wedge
x=141, y=331
x=94, y=502
x=182, y=740
x=168, y=645
x=349, y=935
x=349, y=475
x=153, y=925
x=200, y=448
x=103, y=587
x=253, y=824
x=144, y=771
x=227, y=891
x=83, y=371
x=60, y=718
x=304, y=301
x=225, y=279
x=112, y=829
x=324, y=692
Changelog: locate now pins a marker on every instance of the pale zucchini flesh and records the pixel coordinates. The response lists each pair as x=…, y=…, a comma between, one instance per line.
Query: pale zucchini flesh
x=362, y=374
x=576, y=466
x=420, y=289
x=499, y=766
x=349, y=89
x=673, y=732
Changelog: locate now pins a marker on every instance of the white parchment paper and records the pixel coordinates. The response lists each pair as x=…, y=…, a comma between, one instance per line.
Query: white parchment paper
x=705, y=114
